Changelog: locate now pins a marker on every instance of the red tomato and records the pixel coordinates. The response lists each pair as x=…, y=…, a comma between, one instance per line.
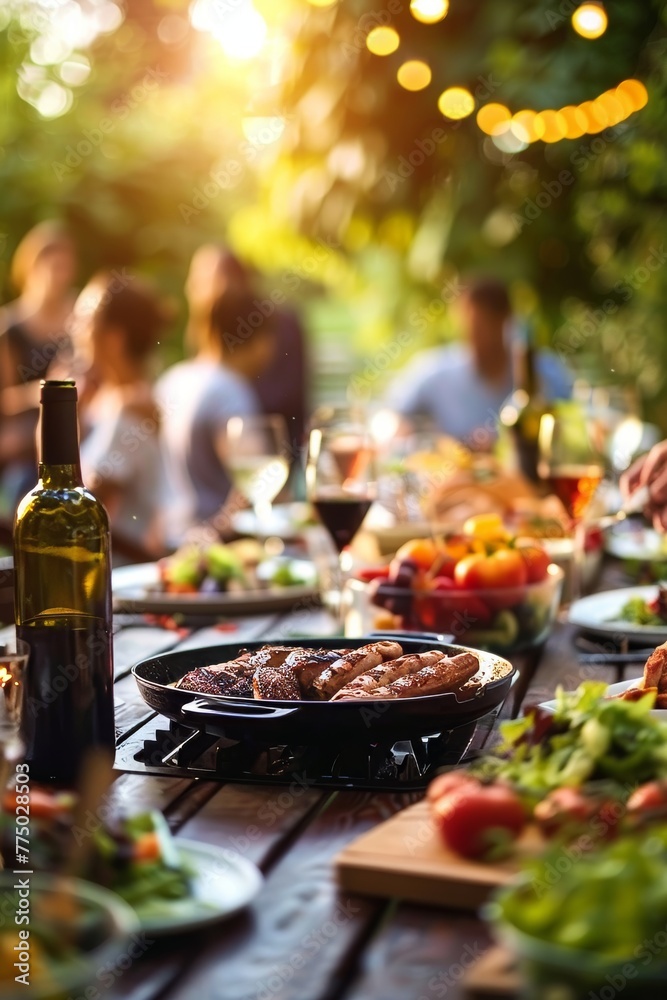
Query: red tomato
x=444, y=607
x=468, y=818
x=536, y=560
x=43, y=803
x=504, y=568
x=451, y=781
x=649, y=797
x=570, y=808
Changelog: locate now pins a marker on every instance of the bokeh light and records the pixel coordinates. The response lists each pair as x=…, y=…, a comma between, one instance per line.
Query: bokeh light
x=382, y=41
x=414, y=74
x=456, y=103
x=241, y=30
x=429, y=11
x=322, y=3
x=554, y=124
x=575, y=121
x=491, y=116
x=596, y=116
x=590, y=20
x=527, y=126
x=635, y=91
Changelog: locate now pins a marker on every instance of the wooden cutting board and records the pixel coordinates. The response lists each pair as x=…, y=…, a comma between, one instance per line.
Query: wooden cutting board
x=406, y=858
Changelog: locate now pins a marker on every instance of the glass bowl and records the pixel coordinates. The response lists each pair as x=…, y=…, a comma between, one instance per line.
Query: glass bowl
x=503, y=620
x=555, y=971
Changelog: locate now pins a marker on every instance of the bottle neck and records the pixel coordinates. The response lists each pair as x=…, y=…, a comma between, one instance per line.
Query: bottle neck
x=523, y=368
x=59, y=437
x=57, y=477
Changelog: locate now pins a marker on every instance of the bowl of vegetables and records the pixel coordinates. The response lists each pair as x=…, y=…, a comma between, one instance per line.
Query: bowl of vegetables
x=488, y=589
x=57, y=933
x=590, y=924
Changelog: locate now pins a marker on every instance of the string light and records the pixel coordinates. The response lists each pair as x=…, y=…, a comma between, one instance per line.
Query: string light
x=429, y=11
x=414, y=74
x=590, y=20
x=456, y=103
x=382, y=41
x=491, y=117
x=606, y=110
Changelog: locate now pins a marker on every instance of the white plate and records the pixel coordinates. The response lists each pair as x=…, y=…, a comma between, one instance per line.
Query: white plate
x=642, y=543
x=135, y=590
x=223, y=883
x=598, y=613
x=613, y=689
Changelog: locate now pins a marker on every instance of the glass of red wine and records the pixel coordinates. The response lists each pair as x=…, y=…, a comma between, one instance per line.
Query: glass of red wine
x=571, y=461
x=341, y=486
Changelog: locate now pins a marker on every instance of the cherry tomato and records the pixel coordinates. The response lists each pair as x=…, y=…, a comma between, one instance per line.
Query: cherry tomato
x=648, y=797
x=570, y=808
x=536, y=560
x=468, y=818
x=450, y=781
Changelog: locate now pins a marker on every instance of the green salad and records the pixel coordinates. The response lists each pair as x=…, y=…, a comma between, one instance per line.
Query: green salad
x=611, y=902
x=588, y=738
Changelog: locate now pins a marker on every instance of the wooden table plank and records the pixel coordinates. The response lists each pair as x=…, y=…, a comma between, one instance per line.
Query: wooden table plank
x=253, y=820
x=419, y=953
x=301, y=934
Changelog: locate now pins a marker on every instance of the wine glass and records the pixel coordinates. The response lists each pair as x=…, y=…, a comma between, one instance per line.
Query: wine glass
x=340, y=484
x=571, y=461
x=13, y=661
x=257, y=457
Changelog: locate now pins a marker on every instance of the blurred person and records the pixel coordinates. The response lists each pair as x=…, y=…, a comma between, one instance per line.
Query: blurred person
x=115, y=328
x=650, y=470
x=282, y=388
x=461, y=387
x=32, y=335
x=197, y=397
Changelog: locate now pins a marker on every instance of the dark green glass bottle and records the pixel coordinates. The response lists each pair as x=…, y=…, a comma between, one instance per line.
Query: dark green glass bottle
x=63, y=602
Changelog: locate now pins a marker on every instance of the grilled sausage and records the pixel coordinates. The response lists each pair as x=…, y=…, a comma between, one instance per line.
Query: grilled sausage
x=345, y=669
x=377, y=677
x=308, y=664
x=445, y=675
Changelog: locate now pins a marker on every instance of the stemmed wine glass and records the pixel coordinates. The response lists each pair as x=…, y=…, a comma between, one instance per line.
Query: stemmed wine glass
x=341, y=485
x=571, y=461
x=257, y=456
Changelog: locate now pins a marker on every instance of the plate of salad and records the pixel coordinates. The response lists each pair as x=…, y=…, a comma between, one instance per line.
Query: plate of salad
x=631, y=612
x=173, y=885
x=240, y=577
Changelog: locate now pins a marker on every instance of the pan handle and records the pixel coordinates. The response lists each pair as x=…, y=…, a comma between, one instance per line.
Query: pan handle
x=200, y=708
x=417, y=636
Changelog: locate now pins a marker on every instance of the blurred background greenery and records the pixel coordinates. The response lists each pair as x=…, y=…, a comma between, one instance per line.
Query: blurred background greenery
x=155, y=125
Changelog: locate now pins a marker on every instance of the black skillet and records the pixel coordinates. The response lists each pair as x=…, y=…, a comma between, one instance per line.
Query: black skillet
x=315, y=721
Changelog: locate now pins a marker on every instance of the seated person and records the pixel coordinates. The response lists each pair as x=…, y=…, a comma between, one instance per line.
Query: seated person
x=197, y=397
x=32, y=335
x=114, y=332
x=281, y=389
x=461, y=387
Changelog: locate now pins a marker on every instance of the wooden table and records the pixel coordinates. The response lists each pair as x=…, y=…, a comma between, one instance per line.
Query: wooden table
x=303, y=939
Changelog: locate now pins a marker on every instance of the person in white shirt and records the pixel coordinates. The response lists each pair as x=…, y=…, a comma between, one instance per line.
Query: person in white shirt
x=196, y=399
x=461, y=387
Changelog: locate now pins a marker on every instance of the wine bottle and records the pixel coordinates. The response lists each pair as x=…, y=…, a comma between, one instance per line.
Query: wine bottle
x=522, y=411
x=63, y=603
